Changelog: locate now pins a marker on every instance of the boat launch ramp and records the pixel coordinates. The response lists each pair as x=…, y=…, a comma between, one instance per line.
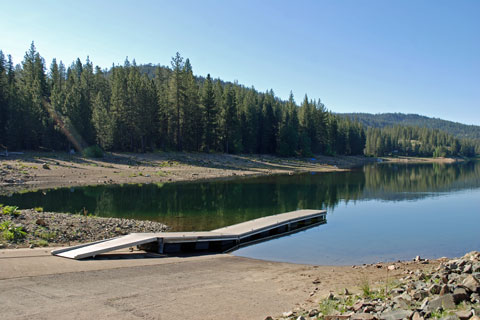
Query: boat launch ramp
x=218, y=240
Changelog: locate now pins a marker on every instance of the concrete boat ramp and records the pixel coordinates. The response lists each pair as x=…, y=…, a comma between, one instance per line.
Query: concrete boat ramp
x=219, y=240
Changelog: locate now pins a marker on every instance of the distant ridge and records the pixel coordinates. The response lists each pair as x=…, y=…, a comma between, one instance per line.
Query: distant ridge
x=381, y=120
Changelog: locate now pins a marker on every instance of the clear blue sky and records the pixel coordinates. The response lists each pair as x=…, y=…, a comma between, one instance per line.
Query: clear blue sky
x=356, y=56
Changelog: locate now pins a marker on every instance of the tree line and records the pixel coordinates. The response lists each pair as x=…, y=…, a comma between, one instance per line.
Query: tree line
x=146, y=108
x=381, y=120
x=417, y=141
x=128, y=109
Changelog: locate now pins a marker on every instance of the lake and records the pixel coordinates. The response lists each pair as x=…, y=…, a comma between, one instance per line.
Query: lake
x=379, y=212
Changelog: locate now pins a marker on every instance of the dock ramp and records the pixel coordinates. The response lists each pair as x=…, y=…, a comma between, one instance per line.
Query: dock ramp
x=219, y=240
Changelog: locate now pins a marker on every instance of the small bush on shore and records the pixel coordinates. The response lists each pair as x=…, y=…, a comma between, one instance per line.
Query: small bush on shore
x=10, y=210
x=10, y=232
x=40, y=243
x=46, y=235
x=93, y=152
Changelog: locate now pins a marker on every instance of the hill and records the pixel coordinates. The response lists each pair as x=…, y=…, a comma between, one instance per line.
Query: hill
x=382, y=120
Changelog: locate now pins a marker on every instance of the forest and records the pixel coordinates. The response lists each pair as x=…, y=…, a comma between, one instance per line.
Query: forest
x=417, y=141
x=145, y=108
x=382, y=120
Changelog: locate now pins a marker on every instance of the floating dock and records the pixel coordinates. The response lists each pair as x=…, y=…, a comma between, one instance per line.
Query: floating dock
x=219, y=240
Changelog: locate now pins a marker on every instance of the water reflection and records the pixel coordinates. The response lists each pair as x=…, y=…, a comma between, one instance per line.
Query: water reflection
x=210, y=205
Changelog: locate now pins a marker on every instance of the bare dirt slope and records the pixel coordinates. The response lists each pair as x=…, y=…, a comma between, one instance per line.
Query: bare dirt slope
x=49, y=170
x=34, y=284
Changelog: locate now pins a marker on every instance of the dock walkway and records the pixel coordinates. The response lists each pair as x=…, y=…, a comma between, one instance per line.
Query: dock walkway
x=219, y=240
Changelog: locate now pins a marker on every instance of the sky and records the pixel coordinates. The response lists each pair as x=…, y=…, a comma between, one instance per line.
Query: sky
x=371, y=56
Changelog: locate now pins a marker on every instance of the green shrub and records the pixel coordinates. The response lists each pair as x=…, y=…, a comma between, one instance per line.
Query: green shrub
x=10, y=232
x=93, y=152
x=38, y=209
x=365, y=287
x=10, y=210
x=40, y=243
x=46, y=235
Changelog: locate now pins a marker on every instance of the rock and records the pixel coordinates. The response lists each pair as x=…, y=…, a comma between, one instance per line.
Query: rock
x=46, y=166
x=287, y=314
x=472, y=284
x=301, y=318
x=417, y=259
x=400, y=303
x=269, y=318
x=417, y=316
x=420, y=295
x=391, y=267
x=363, y=316
x=313, y=313
x=331, y=296
x=41, y=222
x=357, y=306
x=368, y=309
x=424, y=304
x=406, y=297
x=445, y=278
x=398, y=314
x=464, y=314
x=434, y=289
x=444, y=290
x=475, y=318
x=459, y=295
x=397, y=291
x=467, y=268
x=446, y=302
x=346, y=292
x=475, y=298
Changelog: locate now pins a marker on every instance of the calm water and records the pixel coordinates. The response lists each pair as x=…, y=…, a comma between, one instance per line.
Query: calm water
x=376, y=213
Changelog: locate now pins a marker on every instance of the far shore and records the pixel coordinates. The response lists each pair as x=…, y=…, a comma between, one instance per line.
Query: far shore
x=37, y=171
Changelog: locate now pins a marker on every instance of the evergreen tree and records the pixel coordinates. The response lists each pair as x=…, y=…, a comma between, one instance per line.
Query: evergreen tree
x=103, y=122
x=3, y=100
x=269, y=125
x=209, y=114
x=177, y=97
x=231, y=129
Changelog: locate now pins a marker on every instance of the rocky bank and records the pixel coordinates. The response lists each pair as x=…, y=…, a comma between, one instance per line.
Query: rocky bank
x=23, y=228
x=451, y=291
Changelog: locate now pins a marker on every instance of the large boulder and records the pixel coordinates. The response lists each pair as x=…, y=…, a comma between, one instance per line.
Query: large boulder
x=472, y=284
x=446, y=302
x=460, y=294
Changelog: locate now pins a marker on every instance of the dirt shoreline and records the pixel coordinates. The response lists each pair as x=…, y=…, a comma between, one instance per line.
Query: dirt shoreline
x=126, y=285
x=36, y=171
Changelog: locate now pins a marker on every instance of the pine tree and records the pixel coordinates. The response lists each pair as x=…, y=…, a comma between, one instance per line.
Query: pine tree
x=103, y=121
x=3, y=100
x=193, y=116
x=177, y=97
x=231, y=129
x=209, y=114
x=269, y=125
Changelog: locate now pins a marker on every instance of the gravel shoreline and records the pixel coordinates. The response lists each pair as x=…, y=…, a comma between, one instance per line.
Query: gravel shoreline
x=54, y=229
x=451, y=291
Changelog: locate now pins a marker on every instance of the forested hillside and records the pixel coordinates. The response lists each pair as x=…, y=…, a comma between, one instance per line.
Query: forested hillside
x=382, y=120
x=147, y=108
x=144, y=108
x=417, y=141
